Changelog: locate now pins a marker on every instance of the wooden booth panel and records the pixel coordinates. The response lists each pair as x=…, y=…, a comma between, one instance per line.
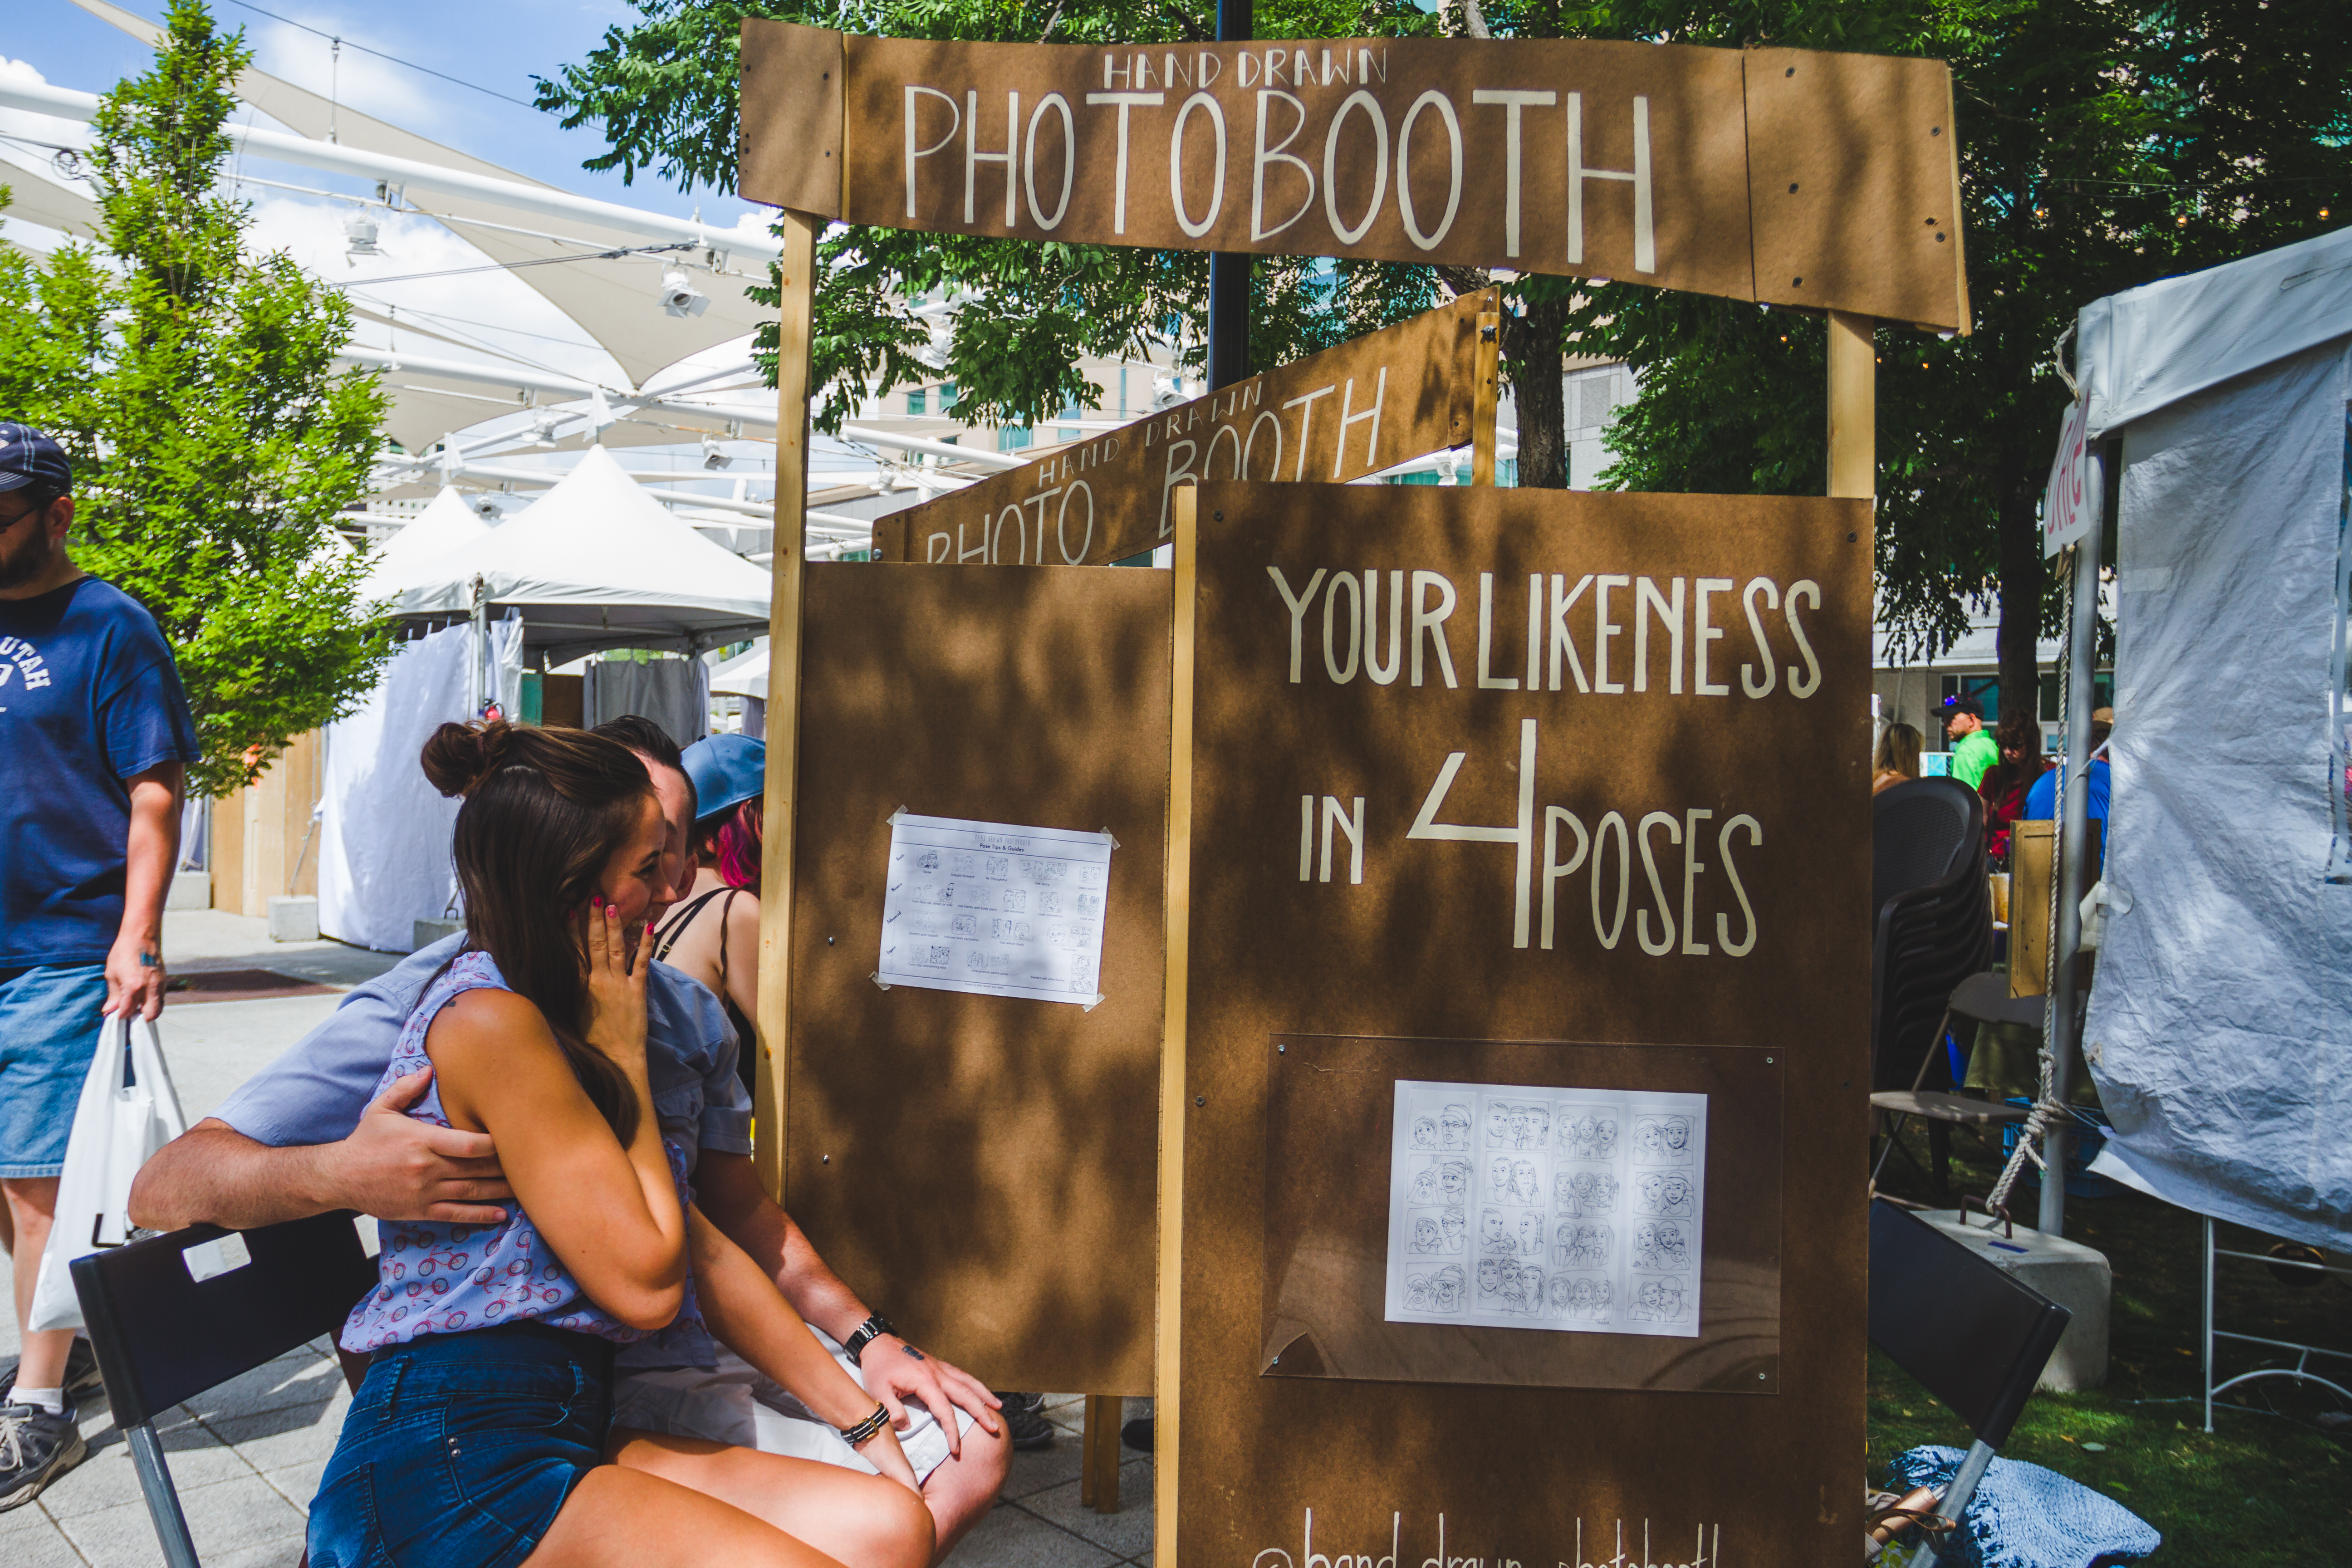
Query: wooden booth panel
x=1739, y=775
x=982, y=1169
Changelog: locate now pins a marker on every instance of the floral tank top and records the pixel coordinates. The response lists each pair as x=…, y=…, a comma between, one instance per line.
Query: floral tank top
x=441, y=1279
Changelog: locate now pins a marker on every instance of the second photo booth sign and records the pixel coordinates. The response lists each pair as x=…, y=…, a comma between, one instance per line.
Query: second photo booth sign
x=1516, y=1032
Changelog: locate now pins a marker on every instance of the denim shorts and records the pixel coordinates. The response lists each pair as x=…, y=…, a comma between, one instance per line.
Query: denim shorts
x=48, y=1032
x=460, y=1450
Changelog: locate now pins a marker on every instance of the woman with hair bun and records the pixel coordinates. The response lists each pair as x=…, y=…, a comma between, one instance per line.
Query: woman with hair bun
x=714, y=934
x=477, y=1437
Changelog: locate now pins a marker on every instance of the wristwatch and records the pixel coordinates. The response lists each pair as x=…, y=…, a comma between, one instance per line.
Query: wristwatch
x=872, y=1329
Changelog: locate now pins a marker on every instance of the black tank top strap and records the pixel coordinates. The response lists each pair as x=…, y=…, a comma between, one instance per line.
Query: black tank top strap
x=665, y=934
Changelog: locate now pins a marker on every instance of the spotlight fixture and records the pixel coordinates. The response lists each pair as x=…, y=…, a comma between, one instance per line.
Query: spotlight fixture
x=679, y=296
x=359, y=238
x=543, y=426
x=713, y=455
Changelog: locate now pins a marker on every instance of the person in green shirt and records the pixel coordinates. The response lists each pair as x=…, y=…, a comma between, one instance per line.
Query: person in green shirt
x=1973, y=748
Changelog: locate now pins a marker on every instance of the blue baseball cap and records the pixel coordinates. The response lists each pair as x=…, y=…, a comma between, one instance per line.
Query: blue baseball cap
x=727, y=771
x=30, y=461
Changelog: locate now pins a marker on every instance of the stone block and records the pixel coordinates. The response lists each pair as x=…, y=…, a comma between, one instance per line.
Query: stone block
x=425, y=933
x=190, y=890
x=293, y=917
x=2076, y=1276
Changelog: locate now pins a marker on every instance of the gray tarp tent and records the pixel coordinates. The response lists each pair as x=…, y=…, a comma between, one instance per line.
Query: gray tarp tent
x=2220, y=1030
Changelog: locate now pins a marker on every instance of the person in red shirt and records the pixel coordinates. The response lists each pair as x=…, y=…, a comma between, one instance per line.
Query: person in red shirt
x=2005, y=783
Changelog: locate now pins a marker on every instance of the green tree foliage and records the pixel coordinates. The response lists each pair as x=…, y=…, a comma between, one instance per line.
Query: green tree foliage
x=664, y=91
x=213, y=440
x=2103, y=144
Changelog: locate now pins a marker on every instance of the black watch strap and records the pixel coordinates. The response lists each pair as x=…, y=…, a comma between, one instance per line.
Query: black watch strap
x=872, y=1329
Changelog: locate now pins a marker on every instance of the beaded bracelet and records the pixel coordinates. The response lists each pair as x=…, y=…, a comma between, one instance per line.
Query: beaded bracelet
x=868, y=1428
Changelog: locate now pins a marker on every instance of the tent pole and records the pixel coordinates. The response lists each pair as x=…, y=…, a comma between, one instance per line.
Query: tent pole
x=1853, y=406
x=797, y=273
x=2073, y=835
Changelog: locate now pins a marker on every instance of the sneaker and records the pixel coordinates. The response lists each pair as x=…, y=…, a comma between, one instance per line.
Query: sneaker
x=36, y=1449
x=1025, y=1420
x=81, y=1373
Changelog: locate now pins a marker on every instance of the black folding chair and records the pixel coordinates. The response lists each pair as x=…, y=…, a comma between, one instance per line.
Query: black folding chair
x=1985, y=999
x=1971, y=1332
x=172, y=1316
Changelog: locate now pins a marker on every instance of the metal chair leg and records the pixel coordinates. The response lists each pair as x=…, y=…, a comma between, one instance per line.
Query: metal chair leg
x=162, y=1500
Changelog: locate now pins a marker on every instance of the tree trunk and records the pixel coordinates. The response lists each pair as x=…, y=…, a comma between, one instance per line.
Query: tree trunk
x=2022, y=575
x=1531, y=348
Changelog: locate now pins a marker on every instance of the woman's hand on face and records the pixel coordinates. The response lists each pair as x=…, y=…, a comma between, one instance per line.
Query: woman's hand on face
x=616, y=996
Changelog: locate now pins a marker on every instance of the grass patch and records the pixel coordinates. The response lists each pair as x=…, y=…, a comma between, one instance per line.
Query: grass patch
x=2268, y=1488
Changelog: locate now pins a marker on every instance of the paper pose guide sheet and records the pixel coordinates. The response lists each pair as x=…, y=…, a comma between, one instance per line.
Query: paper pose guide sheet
x=994, y=909
x=1577, y=1210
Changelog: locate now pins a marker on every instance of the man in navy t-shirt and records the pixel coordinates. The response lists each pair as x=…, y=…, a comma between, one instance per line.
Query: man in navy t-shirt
x=94, y=737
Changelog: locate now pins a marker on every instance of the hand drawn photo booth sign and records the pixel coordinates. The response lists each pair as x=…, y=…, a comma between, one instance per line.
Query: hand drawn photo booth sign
x=1827, y=181
x=1474, y=773
x=1350, y=411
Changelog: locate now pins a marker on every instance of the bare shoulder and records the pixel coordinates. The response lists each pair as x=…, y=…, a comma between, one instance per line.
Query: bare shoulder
x=743, y=913
x=488, y=1033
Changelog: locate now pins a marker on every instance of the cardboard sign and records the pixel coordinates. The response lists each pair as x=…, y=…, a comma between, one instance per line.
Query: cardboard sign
x=1819, y=180
x=1474, y=774
x=1339, y=415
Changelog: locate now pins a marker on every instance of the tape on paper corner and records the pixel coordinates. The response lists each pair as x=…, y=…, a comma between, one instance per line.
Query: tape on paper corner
x=1112, y=839
x=893, y=818
x=879, y=983
x=1095, y=1002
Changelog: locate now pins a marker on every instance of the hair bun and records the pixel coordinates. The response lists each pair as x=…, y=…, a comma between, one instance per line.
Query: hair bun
x=458, y=757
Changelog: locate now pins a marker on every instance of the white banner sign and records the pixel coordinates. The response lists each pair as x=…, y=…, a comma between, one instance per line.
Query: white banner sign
x=2068, y=509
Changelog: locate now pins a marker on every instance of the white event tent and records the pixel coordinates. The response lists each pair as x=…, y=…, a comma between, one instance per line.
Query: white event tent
x=2220, y=1029
x=594, y=563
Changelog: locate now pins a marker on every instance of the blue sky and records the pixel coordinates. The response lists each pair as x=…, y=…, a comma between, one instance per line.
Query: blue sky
x=499, y=45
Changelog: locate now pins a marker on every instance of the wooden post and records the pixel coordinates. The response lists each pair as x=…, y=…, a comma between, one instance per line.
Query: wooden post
x=798, y=269
x=1099, y=1466
x=1485, y=394
x=1853, y=406
x=1175, y=1104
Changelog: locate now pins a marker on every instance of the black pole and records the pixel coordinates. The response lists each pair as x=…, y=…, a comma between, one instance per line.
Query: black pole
x=1229, y=274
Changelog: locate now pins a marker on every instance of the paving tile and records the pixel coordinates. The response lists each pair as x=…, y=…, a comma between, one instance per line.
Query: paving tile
x=1011, y=1537
x=229, y=1522
x=108, y=1479
x=1122, y=1534
x=276, y=1438
x=288, y=1382
x=298, y=1484
x=1034, y=1469
x=36, y=1542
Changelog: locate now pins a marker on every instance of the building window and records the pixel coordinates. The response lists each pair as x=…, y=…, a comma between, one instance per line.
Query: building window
x=1012, y=438
x=947, y=396
x=919, y=402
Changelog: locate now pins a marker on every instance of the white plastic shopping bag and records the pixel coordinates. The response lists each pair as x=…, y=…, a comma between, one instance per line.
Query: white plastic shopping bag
x=129, y=1109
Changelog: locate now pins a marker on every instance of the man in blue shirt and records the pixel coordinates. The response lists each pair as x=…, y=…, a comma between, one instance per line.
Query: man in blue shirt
x=2042, y=799
x=95, y=736
x=302, y=1137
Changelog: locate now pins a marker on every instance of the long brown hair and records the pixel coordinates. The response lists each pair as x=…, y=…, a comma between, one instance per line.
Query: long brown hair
x=545, y=809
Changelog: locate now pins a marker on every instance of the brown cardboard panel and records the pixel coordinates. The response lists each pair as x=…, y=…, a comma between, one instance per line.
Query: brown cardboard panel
x=1428, y=945
x=789, y=152
x=1330, y=1100
x=982, y=1170
x=1350, y=411
x=1854, y=185
x=1404, y=150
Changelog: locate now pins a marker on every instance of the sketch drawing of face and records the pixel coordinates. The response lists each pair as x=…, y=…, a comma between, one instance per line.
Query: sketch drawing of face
x=1604, y=1294
x=1454, y=1181
x=1673, y=1192
x=1645, y=1239
x=1526, y=1186
x=1530, y=1234
x=1454, y=1128
x=1455, y=1224
x=1490, y=1277
x=1425, y=1132
x=1670, y=1244
x=1604, y=1138
x=1564, y=1195
x=1670, y=1299
x=1498, y=1179
x=1676, y=1133
x=1424, y=1189
x=1561, y=1294
x=1649, y=1143
x=1425, y=1237
x=1651, y=1187
x=1498, y=1126
x=1529, y=1297
x=1491, y=1237
x=1447, y=1288
x=1416, y=1292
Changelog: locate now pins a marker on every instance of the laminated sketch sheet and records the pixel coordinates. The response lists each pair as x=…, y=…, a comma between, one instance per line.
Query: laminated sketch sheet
x=994, y=909
x=1577, y=1210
